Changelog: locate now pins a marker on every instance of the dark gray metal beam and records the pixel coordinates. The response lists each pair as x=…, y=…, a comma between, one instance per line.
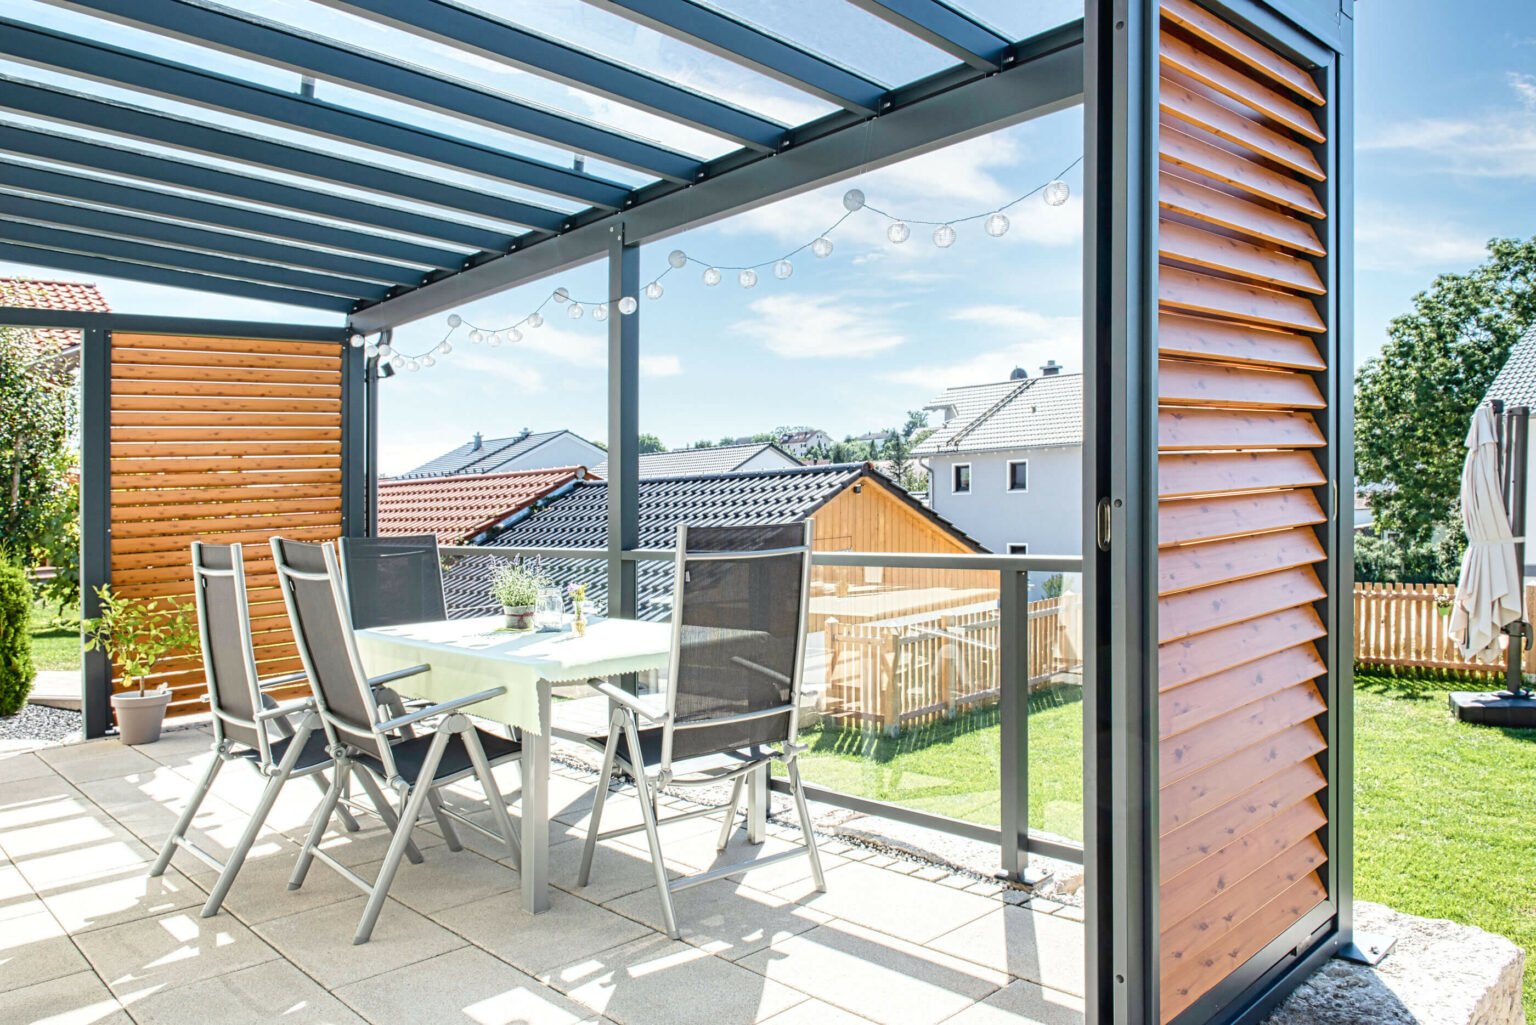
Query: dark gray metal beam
x=724, y=36
x=95, y=519
x=186, y=84
x=448, y=23
x=135, y=323
x=109, y=268
x=279, y=46
x=940, y=25
x=122, y=119
x=182, y=236
x=1046, y=77
x=167, y=171
x=108, y=247
x=623, y=428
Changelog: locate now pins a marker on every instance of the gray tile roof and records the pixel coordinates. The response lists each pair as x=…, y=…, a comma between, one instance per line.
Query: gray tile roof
x=1516, y=382
x=1036, y=412
x=489, y=456
x=691, y=462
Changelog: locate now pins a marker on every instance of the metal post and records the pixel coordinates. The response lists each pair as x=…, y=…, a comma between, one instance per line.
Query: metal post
x=1013, y=713
x=623, y=429
x=371, y=487
x=95, y=518
x=1516, y=438
x=357, y=441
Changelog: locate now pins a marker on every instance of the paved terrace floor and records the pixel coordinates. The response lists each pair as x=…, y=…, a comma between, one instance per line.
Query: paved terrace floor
x=85, y=937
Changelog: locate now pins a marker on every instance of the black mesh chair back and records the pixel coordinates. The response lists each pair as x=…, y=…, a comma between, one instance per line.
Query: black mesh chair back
x=393, y=580
x=229, y=662
x=317, y=610
x=738, y=632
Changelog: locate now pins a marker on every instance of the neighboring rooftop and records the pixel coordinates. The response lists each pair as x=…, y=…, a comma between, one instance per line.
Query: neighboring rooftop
x=522, y=451
x=1516, y=382
x=459, y=508
x=691, y=462
x=66, y=296
x=1029, y=412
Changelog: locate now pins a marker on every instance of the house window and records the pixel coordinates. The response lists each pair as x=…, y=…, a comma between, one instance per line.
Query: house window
x=1018, y=549
x=962, y=479
x=1018, y=475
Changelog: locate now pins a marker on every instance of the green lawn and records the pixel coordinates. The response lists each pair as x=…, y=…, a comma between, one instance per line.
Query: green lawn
x=53, y=646
x=1445, y=814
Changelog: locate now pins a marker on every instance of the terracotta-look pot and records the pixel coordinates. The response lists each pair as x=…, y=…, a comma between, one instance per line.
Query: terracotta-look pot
x=139, y=716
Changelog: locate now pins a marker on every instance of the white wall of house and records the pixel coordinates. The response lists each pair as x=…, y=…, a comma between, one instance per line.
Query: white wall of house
x=565, y=450
x=767, y=459
x=1047, y=517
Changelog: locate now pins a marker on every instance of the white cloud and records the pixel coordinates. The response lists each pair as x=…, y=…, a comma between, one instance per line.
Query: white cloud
x=1033, y=338
x=1393, y=238
x=817, y=327
x=660, y=365
x=1495, y=143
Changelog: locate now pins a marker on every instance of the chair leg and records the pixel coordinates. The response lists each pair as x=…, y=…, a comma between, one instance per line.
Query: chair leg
x=317, y=827
x=604, y=781
x=408, y=816
x=444, y=823
x=804, y=812
x=728, y=824
x=492, y=791
x=347, y=821
x=648, y=812
x=384, y=810
x=248, y=837
x=187, y=815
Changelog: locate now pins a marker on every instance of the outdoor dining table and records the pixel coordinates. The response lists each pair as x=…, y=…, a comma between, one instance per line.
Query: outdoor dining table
x=468, y=656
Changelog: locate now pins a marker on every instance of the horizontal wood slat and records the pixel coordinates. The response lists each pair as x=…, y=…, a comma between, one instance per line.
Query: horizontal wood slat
x=126, y=469
x=157, y=373
x=165, y=403
x=1238, y=558
x=1192, y=383
x=253, y=492
x=1184, y=103
x=1196, y=155
x=244, y=507
x=268, y=346
x=1267, y=267
x=1212, y=519
x=1195, y=291
x=1213, y=73
x=1204, y=792
x=1191, y=613
x=182, y=435
x=247, y=522
x=142, y=545
x=1183, y=475
x=249, y=360
x=325, y=391
x=136, y=418
x=1242, y=47
x=1213, y=206
x=1186, y=430
x=1184, y=708
x=1229, y=342
x=156, y=449
x=1190, y=659
x=1186, y=846
x=1215, y=741
x=195, y=478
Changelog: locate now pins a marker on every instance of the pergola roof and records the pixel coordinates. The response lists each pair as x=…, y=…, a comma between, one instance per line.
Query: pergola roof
x=318, y=160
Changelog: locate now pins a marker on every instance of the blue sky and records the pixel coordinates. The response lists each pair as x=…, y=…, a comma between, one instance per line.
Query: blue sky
x=1446, y=158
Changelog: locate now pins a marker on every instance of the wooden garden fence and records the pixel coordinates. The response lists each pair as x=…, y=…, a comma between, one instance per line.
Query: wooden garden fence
x=1408, y=625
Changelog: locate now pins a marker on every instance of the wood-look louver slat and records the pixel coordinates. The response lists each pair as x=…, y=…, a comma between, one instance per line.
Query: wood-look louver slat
x=1241, y=569
x=220, y=440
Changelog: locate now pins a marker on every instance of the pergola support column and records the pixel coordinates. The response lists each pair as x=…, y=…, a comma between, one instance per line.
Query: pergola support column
x=623, y=426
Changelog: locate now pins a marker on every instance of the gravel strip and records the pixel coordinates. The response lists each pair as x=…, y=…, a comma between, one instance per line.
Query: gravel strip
x=37, y=722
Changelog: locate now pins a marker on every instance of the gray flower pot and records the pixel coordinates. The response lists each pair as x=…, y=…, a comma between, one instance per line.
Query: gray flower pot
x=139, y=717
x=518, y=617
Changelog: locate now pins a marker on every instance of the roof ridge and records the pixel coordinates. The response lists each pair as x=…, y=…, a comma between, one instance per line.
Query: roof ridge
x=771, y=471
x=980, y=418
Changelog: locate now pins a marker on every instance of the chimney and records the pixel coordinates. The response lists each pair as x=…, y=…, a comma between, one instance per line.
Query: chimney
x=1050, y=369
x=1019, y=374
x=474, y=446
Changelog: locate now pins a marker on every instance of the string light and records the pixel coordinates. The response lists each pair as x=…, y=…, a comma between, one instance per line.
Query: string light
x=995, y=224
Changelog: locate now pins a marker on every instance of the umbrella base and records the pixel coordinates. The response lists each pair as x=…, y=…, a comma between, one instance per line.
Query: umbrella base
x=1494, y=709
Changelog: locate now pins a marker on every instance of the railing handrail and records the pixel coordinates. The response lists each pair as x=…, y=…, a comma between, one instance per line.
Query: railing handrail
x=890, y=560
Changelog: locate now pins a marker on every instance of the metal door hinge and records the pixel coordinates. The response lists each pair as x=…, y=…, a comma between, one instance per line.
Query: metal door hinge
x=1102, y=520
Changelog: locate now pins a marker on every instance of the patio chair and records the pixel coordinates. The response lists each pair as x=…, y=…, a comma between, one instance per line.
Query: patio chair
x=393, y=580
x=244, y=716
x=732, y=704
x=365, y=742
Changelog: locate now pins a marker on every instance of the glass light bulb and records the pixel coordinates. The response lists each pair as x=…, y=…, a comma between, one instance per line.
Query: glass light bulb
x=783, y=269
x=652, y=291
x=562, y=295
x=514, y=336
x=454, y=320
x=428, y=361
x=944, y=236
x=712, y=276
x=357, y=341
x=898, y=232
x=477, y=336
x=677, y=258
x=822, y=247
x=996, y=225
x=385, y=349
x=444, y=347
x=853, y=199
x=747, y=278
x=412, y=365
x=397, y=361
x=574, y=311
x=600, y=311
x=371, y=351
x=535, y=320
x=495, y=339
x=1056, y=193
x=628, y=305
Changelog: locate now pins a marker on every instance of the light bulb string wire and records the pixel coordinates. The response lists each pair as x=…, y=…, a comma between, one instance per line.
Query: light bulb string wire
x=562, y=296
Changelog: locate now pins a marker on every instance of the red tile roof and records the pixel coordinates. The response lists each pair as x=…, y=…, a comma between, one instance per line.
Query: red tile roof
x=456, y=508
x=69, y=296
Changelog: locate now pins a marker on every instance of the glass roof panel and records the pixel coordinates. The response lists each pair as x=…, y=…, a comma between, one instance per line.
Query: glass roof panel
x=1018, y=20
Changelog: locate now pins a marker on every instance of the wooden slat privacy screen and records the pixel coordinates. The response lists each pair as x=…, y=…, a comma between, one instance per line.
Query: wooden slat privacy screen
x=1240, y=565
x=220, y=440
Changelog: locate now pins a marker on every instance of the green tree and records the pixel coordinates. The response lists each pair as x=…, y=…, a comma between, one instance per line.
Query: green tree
x=651, y=443
x=917, y=419
x=15, y=638
x=1414, y=402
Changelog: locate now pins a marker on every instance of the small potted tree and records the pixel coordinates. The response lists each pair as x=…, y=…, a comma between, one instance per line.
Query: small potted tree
x=516, y=588
x=136, y=634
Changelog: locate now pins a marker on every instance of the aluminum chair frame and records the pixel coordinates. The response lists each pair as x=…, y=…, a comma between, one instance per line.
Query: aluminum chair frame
x=625, y=712
x=415, y=796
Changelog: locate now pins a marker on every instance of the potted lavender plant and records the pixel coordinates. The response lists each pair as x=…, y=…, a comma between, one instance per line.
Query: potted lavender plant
x=516, y=588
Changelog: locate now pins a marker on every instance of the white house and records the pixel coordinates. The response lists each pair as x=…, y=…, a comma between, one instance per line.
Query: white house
x=803, y=441
x=1005, y=465
x=524, y=451
x=697, y=462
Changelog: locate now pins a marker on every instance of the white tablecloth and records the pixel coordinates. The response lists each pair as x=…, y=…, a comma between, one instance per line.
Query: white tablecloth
x=471, y=655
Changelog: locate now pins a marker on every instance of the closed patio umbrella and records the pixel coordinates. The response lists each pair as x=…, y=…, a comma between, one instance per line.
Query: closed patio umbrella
x=1489, y=594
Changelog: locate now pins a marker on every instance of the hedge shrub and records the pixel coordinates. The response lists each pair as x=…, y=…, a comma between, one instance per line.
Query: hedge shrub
x=15, y=638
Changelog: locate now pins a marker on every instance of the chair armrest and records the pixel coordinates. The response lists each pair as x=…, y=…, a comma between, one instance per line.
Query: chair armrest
x=398, y=674
x=284, y=710
x=287, y=679
x=447, y=706
x=625, y=699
